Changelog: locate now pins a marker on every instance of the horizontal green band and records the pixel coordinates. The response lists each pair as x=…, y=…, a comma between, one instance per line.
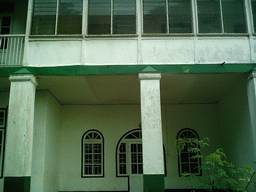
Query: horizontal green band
x=17, y=184
x=153, y=183
x=127, y=69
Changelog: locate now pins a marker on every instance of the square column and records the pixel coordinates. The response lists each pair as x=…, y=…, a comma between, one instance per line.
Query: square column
x=19, y=140
x=152, y=140
x=251, y=95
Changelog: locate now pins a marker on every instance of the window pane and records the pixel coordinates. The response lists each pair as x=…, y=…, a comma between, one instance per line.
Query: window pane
x=70, y=17
x=134, y=169
x=140, y=166
x=44, y=17
x=97, y=169
x=185, y=168
x=124, y=21
x=122, y=169
x=180, y=16
x=88, y=169
x=233, y=16
x=254, y=13
x=99, y=19
x=97, y=148
x=154, y=18
x=209, y=19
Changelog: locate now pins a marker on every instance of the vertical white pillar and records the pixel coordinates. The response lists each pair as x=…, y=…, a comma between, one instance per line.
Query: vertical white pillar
x=251, y=95
x=152, y=140
x=18, y=157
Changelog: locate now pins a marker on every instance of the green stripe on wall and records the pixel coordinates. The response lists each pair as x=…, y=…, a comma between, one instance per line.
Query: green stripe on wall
x=127, y=69
x=153, y=183
x=17, y=184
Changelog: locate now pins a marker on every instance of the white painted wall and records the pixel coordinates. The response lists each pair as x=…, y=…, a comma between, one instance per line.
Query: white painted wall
x=45, y=167
x=150, y=50
x=113, y=121
x=203, y=118
x=236, y=132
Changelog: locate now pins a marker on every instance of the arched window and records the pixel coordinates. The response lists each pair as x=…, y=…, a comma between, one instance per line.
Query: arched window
x=129, y=154
x=92, y=154
x=186, y=163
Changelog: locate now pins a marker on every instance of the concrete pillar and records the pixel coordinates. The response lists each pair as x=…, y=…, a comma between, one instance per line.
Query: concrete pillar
x=152, y=141
x=251, y=95
x=18, y=156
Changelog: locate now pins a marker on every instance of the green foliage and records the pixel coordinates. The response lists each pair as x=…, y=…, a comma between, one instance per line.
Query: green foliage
x=218, y=172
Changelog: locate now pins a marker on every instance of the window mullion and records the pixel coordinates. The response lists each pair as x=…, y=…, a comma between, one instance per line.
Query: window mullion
x=57, y=16
x=167, y=16
x=221, y=16
x=111, y=13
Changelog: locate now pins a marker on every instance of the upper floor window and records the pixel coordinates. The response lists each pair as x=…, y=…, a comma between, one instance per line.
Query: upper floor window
x=187, y=164
x=112, y=17
x=56, y=17
x=221, y=16
x=92, y=154
x=171, y=16
x=5, y=26
x=2, y=138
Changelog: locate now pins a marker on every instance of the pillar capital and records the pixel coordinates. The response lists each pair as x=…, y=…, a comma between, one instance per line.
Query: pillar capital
x=24, y=77
x=149, y=76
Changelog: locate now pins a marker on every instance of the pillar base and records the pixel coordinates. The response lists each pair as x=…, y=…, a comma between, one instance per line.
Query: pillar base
x=17, y=184
x=153, y=183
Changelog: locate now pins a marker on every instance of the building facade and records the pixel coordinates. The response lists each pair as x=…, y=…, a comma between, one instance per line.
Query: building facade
x=93, y=94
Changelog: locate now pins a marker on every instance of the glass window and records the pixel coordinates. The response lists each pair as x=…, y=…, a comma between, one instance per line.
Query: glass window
x=92, y=154
x=221, y=16
x=180, y=16
x=209, y=18
x=154, y=16
x=187, y=164
x=122, y=20
x=45, y=17
x=233, y=16
x=70, y=17
x=129, y=154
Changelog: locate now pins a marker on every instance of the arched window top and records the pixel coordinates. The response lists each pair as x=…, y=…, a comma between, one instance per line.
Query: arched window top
x=186, y=162
x=136, y=134
x=187, y=134
x=92, y=135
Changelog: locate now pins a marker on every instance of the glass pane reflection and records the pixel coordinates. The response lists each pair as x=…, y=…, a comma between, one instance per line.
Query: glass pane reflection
x=70, y=17
x=180, y=16
x=99, y=19
x=154, y=16
x=124, y=20
x=209, y=19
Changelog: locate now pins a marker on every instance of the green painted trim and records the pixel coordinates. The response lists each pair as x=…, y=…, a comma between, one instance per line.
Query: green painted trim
x=127, y=69
x=153, y=183
x=17, y=184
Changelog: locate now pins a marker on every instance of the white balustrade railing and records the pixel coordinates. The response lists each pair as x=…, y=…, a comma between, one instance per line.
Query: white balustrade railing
x=11, y=49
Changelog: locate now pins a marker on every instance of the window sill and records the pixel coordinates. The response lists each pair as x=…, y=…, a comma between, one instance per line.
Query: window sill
x=168, y=34
x=223, y=34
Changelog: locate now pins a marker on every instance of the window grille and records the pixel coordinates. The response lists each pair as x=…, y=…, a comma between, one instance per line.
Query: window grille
x=92, y=154
x=187, y=164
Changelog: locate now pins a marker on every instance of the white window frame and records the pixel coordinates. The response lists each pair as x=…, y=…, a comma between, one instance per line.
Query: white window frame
x=127, y=142
x=99, y=140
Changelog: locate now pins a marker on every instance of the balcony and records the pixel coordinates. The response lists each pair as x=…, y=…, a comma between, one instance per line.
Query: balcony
x=11, y=50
